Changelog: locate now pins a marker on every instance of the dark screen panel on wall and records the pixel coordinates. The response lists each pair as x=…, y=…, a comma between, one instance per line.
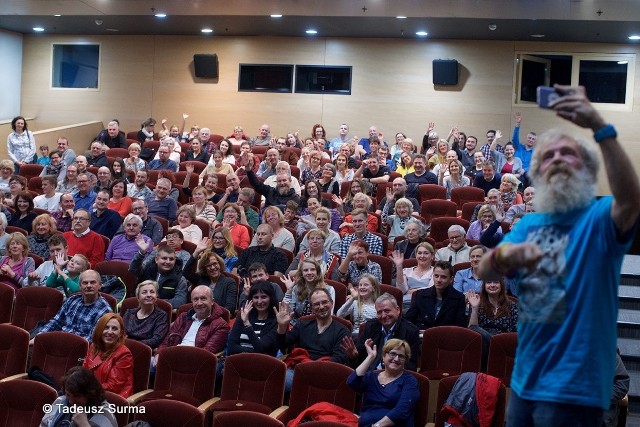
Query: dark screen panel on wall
x=75, y=66
x=265, y=78
x=323, y=79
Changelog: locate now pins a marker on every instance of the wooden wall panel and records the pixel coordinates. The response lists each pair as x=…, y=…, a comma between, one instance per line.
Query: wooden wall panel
x=392, y=87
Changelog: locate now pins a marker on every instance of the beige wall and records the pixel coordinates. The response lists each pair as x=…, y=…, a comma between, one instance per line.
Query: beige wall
x=144, y=76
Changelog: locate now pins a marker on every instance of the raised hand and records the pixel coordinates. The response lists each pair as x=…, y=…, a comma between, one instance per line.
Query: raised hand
x=398, y=258
x=61, y=260
x=431, y=127
x=349, y=347
x=498, y=134
x=353, y=292
x=202, y=244
x=190, y=168
x=518, y=117
x=473, y=298
x=389, y=194
x=164, y=122
x=283, y=313
x=185, y=116
x=244, y=312
x=246, y=287
x=288, y=282
x=142, y=244
x=337, y=200
x=372, y=349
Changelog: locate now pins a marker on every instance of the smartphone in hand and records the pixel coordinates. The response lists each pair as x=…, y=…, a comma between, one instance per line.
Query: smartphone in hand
x=545, y=95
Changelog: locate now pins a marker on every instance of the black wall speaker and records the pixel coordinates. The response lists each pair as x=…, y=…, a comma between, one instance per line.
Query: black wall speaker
x=206, y=65
x=445, y=72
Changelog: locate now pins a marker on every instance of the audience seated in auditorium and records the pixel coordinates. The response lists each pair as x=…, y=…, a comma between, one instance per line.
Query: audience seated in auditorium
x=420, y=175
x=488, y=179
x=97, y=158
x=103, y=220
x=457, y=250
x=82, y=240
x=123, y=246
x=208, y=271
x=161, y=204
x=273, y=258
x=258, y=273
x=49, y=200
x=85, y=196
x=356, y=263
x=23, y=214
x=113, y=137
x=359, y=221
x=57, y=249
x=147, y=323
x=282, y=238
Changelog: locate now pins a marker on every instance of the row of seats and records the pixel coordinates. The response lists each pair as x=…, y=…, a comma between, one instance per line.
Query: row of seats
x=253, y=381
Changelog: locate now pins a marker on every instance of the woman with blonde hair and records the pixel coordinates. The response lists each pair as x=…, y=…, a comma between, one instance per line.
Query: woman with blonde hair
x=108, y=358
x=360, y=303
x=411, y=279
x=202, y=209
x=134, y=162
x=147, y=324
x=403, y=216
x=282, y=238
x=44, y=226
x=486, y=216
x=343, y=172
x=509, y=195
x=359, y=201
x=455, y=179
x=314, y=246
x=230, y=216
x=222, y=245
x=16, y=264
x=187, y=224
x=405, y=165
x=308, y=278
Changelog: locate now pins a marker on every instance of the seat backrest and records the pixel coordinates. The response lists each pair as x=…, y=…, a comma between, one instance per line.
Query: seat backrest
x=450, y=350
x=113, y=302
x=168, y=412
x=245, y=418
x=421, y=410
x=57, y=352
x=254, y=377
x=467, y=210
x=7, y=294
x=35, y=304
x=21, y=402
x=436, y=208
x=386, y=265
x=320, y=382
x=462, y=195
x=440, y=227
x=432, y=191
x=341, y=293
x=141, y=363
x=120, y=269
x=122, y=415
x=341, y=320
x=502, y=354
x=14, y=346
x=187, y=371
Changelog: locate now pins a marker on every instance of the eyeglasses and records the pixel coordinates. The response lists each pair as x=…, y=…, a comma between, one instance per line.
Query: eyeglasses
x=455, y=237
x=394, y=355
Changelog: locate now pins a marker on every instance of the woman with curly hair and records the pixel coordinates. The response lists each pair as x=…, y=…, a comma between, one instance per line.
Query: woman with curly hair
x=222, y=245
x=308, y=277
x=44, y=226
x=208, y=272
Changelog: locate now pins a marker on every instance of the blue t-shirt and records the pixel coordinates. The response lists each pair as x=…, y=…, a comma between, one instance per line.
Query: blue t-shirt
x=521, y=149
x=569, y=306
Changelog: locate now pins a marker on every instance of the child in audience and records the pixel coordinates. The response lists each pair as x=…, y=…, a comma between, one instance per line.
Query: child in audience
x=44, y=155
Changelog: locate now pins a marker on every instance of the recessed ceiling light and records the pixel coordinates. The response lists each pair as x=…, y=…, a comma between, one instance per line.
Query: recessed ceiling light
x=311, y=32
x=634, y=37
x=113, y=30
x=276, y=16
x=57, y=15
x=38, y=29
x=401, y=17
x=160, y=15
x=207, y=30
x=537, y=36
x=422, y=33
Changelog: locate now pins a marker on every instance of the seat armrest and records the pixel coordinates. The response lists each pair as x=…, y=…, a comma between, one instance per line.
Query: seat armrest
x=204, y=407
x=22, y=376
x=135, y=398
x=279, y=412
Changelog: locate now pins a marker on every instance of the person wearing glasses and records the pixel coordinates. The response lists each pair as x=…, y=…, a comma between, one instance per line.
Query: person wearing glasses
x=389, y=395
x=81, y=240
x=314, y=171
x=208, y=272
x=85, y=196
x=457, y=250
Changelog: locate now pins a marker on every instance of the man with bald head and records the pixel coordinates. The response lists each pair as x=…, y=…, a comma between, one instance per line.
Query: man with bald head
x=264, y=138
x=267, y=167
x=202, y=326
x=398, y=191
x=264, y=252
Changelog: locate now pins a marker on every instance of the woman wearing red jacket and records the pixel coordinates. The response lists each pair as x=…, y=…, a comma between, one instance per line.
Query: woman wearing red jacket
x=108, y=358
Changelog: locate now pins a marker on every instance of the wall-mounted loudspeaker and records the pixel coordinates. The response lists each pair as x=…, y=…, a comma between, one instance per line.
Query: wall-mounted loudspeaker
x=206, y=65
x=445, y=72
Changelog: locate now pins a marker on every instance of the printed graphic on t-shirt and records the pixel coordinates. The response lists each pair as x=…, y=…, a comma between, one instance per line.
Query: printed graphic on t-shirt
x=542, y=292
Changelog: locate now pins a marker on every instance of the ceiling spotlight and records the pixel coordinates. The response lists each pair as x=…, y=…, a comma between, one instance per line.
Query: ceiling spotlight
x=537, y=36
x=57, y=15
x=207, y=30
x=634, y=37
x=493, y=27
x=160, y=15
x=421, y=33
x=98, y=22
x=311, y=32
x=401, y=17
x=38, y=29
x=276, y=16
x=623, y=62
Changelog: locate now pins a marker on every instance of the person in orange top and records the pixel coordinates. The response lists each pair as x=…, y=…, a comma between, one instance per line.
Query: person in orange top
x=119, y=200
x=108, y=358
x=239, y=233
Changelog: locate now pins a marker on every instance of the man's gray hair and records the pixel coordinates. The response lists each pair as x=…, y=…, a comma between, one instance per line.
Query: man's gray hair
x=587, y=149
x=387, y=297
x=458, y=228
x=133, y=217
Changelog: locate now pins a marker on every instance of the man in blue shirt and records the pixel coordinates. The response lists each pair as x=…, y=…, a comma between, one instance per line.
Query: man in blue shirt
x=565, y=262
x=160, y=204
x=103, y=220
x=163, y=163
x=85, y=196
x=523, y=151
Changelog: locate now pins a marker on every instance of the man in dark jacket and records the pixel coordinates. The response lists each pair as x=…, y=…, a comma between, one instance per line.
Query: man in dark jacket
x=211, y=334
x=274, y=196
x=273, y=258
x=441, y=304
x=388, y=325
x=167, y=271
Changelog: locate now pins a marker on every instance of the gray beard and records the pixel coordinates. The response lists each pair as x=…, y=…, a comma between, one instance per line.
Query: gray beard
x=283, y=191
x=562, y=193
